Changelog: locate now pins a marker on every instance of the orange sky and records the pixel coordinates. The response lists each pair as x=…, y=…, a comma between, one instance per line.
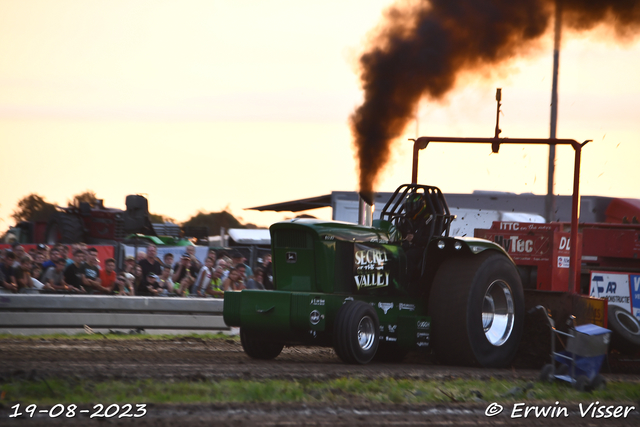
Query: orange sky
x=202, y=105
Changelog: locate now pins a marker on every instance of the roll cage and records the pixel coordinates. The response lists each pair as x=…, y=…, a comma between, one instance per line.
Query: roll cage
x=440, y=217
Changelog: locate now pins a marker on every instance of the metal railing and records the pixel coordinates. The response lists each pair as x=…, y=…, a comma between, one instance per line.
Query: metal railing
x=78, y=311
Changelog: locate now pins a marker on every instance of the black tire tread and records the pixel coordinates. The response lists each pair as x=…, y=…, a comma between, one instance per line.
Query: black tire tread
x=258, y=348
x=451, y=274
x=346, y=324
x=339, y=326
x=448, y=307
x=622, y=340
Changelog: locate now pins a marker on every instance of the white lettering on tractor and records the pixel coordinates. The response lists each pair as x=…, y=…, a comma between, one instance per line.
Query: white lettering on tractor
x=385, y=306
x=423, y=324
x=565, y=244
x=372, y=256
x=378, y=279
x=370, y=267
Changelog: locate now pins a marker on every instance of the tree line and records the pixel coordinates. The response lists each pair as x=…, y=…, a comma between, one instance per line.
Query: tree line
x=34, y=207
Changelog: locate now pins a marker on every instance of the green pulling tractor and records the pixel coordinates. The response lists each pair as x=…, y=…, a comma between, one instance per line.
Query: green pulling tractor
x=381, y=291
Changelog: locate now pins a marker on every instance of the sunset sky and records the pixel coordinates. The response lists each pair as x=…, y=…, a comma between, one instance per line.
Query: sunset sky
x=202, y=105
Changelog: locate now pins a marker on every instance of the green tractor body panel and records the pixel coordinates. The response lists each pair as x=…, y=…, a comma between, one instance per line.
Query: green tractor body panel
x=320, y=256
x=308, y=318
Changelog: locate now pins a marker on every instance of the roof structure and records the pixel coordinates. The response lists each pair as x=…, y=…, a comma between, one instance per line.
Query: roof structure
x=592, y=208
x=297, y=205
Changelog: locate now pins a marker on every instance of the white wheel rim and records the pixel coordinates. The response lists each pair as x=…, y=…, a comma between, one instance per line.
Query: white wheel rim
x=498, y=313
x=366, y=333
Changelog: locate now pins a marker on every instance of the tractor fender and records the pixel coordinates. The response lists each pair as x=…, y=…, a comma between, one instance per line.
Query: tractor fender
x=451, y=246
x=440, y=249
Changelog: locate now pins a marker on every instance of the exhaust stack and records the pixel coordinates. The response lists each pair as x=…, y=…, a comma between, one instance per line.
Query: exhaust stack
x=365, y=209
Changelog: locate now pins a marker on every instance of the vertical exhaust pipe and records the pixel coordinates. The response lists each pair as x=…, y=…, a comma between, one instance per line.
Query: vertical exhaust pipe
x=365, y=209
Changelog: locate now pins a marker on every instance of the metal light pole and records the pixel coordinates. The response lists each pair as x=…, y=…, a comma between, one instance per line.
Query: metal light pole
x=550, y=202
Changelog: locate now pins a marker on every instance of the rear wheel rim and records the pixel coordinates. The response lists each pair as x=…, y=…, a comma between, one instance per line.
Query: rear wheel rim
x=366, y=333
x=628, y=322
x=498, y=313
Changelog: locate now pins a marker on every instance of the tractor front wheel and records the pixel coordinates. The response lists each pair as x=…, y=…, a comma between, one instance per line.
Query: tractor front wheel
x=257, y=347
x=477, y=310
x=356, y=332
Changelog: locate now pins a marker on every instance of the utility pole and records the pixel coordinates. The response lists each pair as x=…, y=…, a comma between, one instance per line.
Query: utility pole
x=550, y=201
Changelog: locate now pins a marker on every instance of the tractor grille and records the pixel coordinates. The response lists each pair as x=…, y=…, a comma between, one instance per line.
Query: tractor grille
x=294, y=239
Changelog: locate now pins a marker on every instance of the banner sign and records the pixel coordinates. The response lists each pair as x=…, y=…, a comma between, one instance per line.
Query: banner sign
x=634, y=281
x=621, y=289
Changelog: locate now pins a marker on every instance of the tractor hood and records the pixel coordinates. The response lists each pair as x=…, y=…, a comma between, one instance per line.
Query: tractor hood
x=335, y=230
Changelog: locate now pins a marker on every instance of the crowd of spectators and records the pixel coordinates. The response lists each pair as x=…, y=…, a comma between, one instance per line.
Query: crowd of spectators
x=49, y=270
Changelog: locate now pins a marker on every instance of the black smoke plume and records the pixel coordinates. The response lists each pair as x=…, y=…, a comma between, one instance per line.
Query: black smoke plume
x=422, y=48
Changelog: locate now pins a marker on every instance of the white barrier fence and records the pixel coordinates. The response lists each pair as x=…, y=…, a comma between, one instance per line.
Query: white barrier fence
x=110, y=312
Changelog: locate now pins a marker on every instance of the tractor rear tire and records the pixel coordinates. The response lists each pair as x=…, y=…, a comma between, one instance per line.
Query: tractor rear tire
x=477, y=310
x=626, y=330
x=356, y=332
x=64, y=228
x=257, y=347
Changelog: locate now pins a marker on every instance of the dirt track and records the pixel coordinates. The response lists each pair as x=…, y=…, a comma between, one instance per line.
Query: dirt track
x=196, y=359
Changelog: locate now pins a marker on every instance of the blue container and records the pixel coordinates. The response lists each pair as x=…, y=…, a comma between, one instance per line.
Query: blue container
x=589, y=366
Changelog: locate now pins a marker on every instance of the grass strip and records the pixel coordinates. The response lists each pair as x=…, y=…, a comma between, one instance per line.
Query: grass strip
x=343, y=390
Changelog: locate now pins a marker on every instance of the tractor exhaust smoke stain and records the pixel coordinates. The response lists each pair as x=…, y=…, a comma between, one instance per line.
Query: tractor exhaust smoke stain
x=422, y=48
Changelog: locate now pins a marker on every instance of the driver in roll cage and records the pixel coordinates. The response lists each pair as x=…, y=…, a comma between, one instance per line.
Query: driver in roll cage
x=416, y=231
